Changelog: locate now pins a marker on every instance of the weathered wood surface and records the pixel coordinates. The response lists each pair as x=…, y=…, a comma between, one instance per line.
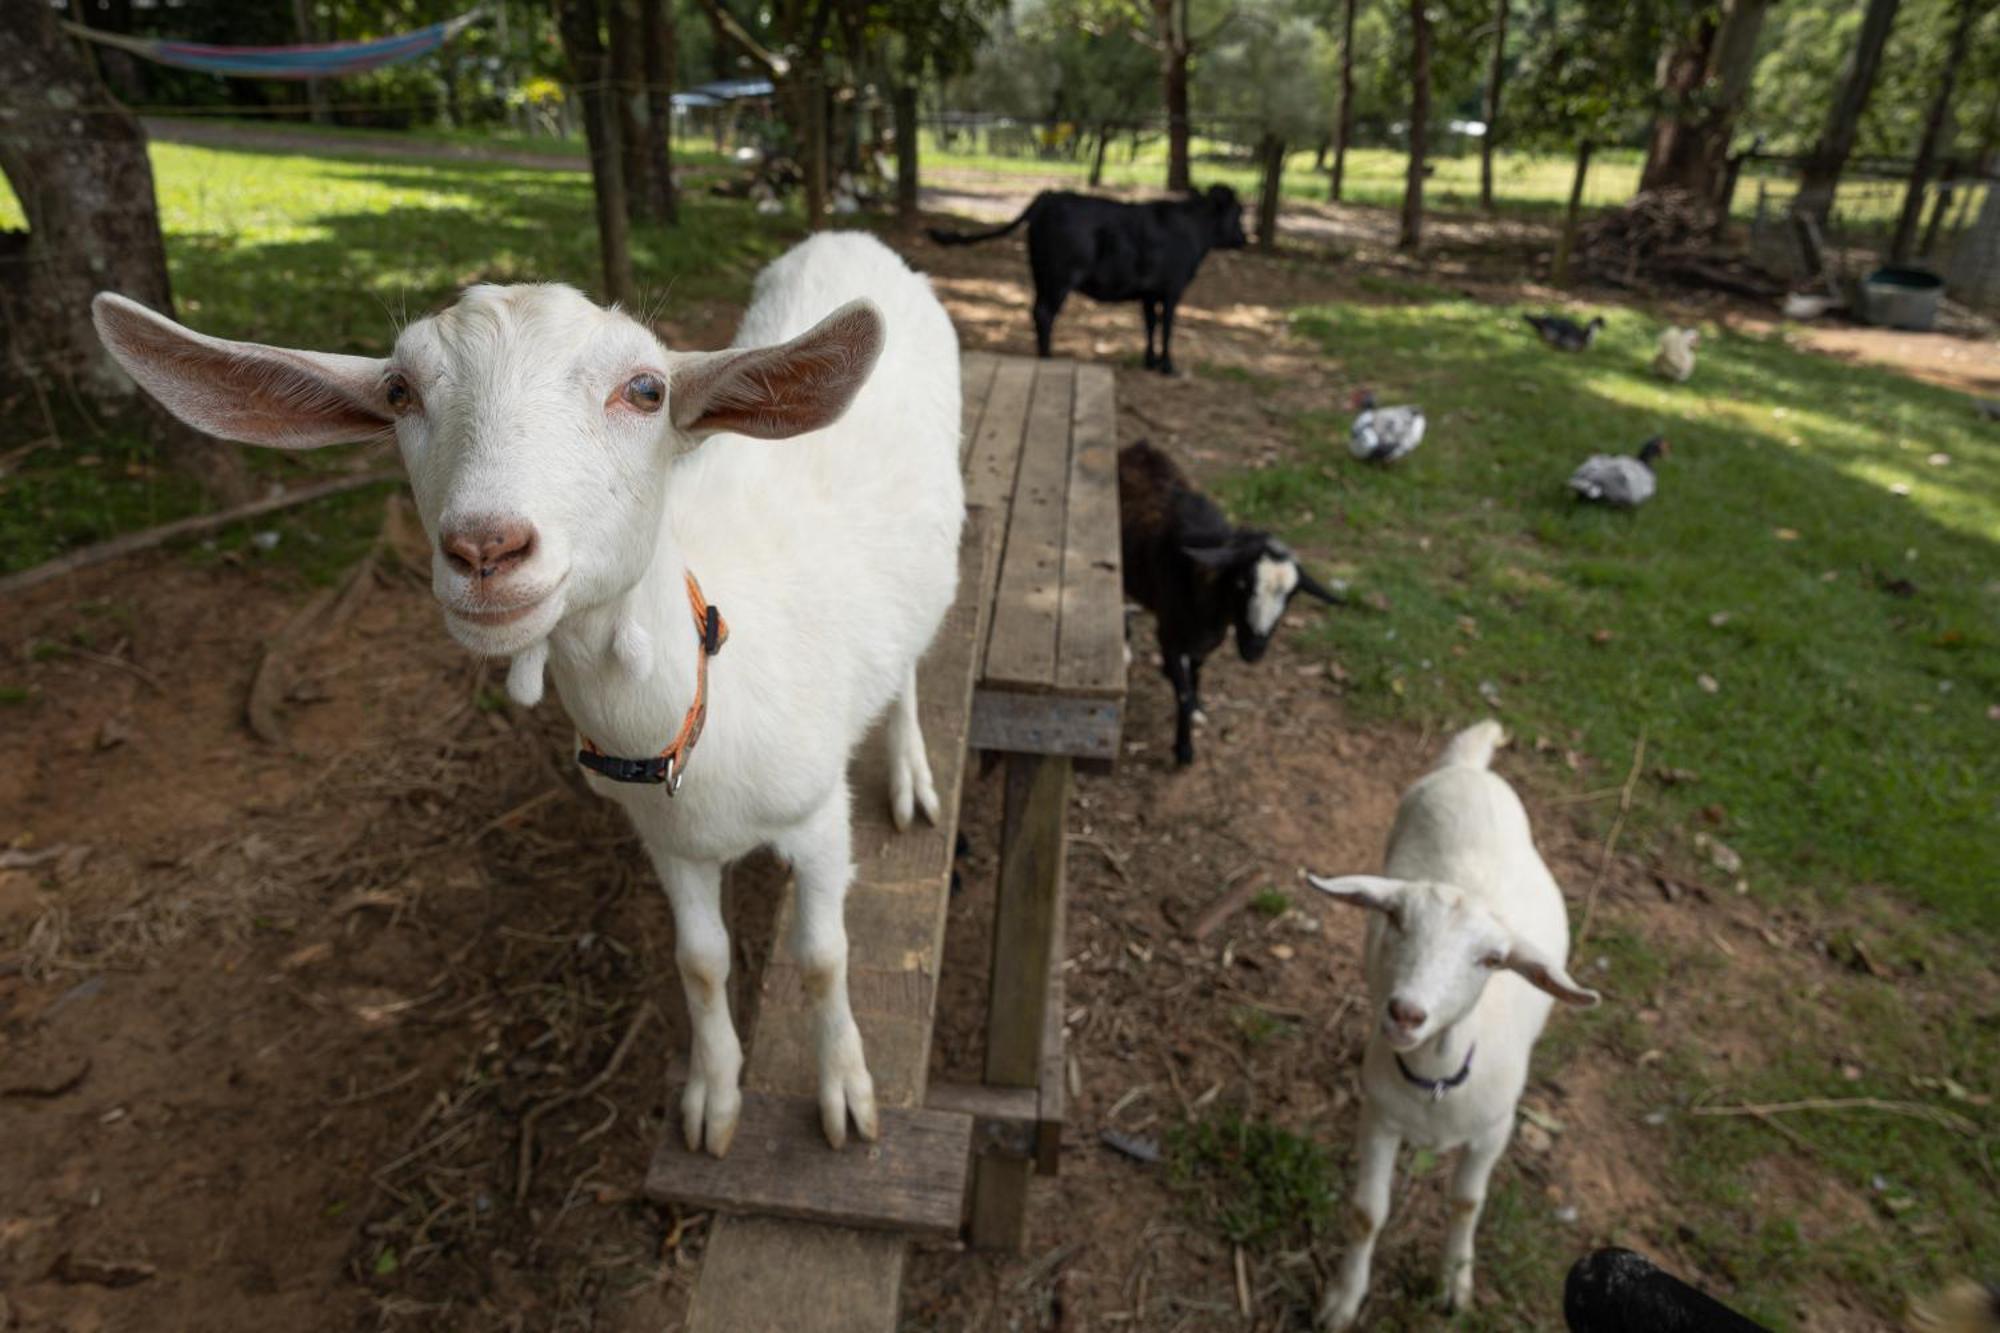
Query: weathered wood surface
x=1044, y=455
x=911, y=1180
x=1027, y=935
x=765, y=1272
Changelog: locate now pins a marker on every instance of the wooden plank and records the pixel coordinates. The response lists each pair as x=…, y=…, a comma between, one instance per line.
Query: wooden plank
x=975, y=378
x=1090, y=654
x=982, y=1101
x=995, y=457
x=765, y=1272
x=912, y=1180
x=1027, y=915
x=1019, y=723
x=1021, y=650
x=1054, y=1070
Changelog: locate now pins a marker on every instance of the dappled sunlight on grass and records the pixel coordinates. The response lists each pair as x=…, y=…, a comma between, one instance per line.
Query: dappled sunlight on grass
x=1846, y=740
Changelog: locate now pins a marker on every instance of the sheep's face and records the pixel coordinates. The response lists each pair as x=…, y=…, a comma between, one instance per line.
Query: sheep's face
x=538, y=429
x=1432, y=949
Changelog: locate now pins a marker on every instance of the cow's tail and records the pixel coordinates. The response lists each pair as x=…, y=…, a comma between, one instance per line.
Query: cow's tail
x=943, y=237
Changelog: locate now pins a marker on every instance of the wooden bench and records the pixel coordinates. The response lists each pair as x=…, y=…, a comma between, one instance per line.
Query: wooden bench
x=1028, y=665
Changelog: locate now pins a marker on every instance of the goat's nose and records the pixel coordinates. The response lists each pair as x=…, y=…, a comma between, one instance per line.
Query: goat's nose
x=484, y=548
x=1406, y=1015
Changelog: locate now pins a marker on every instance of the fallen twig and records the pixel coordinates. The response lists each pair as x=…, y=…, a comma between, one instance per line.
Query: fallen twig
x=1936, y=1115
x=193, y=526
x=1233, y=899
x=1611, y=839
x=525, y=1159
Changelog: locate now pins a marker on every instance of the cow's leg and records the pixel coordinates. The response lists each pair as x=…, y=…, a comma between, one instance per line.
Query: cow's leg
x=1166, y=366
x=1048, y=304
x=1152, y=318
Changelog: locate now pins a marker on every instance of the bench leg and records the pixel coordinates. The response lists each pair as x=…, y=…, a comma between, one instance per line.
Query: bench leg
x=1026, y=925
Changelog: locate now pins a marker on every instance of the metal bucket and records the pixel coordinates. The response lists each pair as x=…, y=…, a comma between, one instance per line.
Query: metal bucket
x=1901, y=298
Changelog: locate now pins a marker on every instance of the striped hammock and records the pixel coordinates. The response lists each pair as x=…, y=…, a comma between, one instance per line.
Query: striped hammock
x=328, y=60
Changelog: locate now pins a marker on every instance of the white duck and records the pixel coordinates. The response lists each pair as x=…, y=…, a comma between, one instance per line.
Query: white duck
x=1384, y=434
x=1619, y=480
x=1675, y=359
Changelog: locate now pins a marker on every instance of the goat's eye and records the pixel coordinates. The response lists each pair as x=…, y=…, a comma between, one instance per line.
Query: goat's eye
x=1493, y=960
x=400, y=397
x=646, y=392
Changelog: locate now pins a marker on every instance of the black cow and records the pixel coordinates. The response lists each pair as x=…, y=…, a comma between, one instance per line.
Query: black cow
x=1112, y=251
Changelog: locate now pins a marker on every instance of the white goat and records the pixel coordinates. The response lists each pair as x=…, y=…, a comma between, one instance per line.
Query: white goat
x=1675, y=359
x=1465, y=947
x=557, y=455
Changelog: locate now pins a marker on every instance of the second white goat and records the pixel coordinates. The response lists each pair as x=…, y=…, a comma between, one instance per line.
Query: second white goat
x=1467, y=937
x=590, y=495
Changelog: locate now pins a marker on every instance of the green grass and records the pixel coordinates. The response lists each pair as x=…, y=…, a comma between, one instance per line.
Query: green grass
x=1847, y=743
x=335, y=252
x=1523, y=182
x=1253, y=1182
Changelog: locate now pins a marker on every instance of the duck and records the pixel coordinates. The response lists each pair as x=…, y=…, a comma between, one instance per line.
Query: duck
x=1625, y=482
x=1566, y=334
x=1384, y=434
x=1675, y=359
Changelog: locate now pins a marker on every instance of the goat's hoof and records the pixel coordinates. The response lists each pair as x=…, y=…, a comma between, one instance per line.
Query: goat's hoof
x=1337, y=1311
x=911, y=789
x=842, y=1097
x=709, y=1117
x=1458, y=1293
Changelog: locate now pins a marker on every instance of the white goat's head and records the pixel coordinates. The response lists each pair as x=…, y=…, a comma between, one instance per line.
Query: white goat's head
x=538, y=429
x=1431, y=950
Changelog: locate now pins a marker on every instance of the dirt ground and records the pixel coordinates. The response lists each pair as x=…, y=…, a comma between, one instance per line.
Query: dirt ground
x=281, y=1025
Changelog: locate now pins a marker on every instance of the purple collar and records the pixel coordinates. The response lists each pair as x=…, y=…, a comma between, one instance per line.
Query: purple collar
x=1438, y=1087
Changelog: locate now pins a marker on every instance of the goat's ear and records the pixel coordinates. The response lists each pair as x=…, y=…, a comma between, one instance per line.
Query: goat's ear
x=273, y=396
x=1213, y=557
x=774, y=393
x=1375, y=892
x=1544, y=973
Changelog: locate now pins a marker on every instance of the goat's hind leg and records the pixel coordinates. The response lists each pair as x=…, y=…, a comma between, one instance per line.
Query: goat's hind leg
x=819, y=850
x=911, y=787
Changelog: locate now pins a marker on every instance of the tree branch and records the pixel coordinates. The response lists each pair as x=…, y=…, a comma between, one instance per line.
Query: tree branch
x=726, y=25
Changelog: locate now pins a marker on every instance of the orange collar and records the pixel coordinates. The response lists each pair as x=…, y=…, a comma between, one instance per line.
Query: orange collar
x=670, y=765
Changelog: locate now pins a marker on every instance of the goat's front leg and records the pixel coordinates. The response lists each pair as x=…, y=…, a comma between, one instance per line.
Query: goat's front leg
x=819, y=852
x=1152, y=308
x=1468, y=1198
x=1376, y=1150
x=1180, y=674
x=712, y=1101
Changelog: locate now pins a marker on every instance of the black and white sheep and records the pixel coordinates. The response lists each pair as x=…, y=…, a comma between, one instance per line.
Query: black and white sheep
x=1199, y=575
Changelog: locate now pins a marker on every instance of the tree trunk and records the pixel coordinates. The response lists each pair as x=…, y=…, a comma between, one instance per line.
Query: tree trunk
x=92, y=226
x=1097, y=158
x=1941, y=208
x=1682, y=70
x=1269, y=192
x=1821, y=176
x=1343, y=128
x=1690, y=144
x=814, y=146
x=584, y=47
x=904, y=108
x=1559, y=270
x=1492, y=105
x=1920, y=171
x=1411, y=236
x=1173, y=37
x=657, y=22
x=302, y=19
x=626, y=56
